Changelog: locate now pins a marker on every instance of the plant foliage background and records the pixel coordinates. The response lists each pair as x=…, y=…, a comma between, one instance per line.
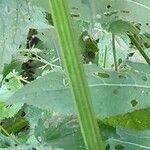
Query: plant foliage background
x=36, y=108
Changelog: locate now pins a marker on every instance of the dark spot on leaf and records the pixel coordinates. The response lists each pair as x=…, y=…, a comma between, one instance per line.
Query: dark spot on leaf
x=39, y=58
x=6, y=80
x=119, y=147
x=9, y=89
x=103, y=75
x=130, y=54
x=97, y=40
x=20, y=46
x=147, y=24
x=33, y=55
x=33, y=148
x=119, y=61
x=134, y=102
x=115, y=91
x=125, y=11
x=107, y=147
x=23, y=114
x=15, y=145
x=25, y=54
x=108, y=6
x=42, y=33
x=122, y=77
x=144, y=78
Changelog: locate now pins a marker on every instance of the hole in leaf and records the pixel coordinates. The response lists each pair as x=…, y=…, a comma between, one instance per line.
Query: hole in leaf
x=119, y=147
x=134, y=102
x=6, y=80
x=122, y=77
x=130, y=54
x=144, y=78
x=103, y=75
x=107, y=147
x=23, y=114
x=108, y=6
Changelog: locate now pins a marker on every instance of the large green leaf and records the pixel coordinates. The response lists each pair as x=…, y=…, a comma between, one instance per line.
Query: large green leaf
x=128, y=10
x=16, y=17
x=112, y=93
x=130, y=140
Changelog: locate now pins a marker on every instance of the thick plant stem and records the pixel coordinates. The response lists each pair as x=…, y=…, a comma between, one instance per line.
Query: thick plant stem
x=136, y=42
x=76, y=75
x=114, y=52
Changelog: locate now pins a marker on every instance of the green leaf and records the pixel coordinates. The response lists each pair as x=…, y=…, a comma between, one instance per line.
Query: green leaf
x=32, y=146
x=42, y=4
x=9, y=68
x=141, y=67
x=5, y=141
x=118, y=91
x=16, y=19
x=122, y=27
x=138, y=119
x=9, y=111
x=81, y=10
x=87, y=43
x=49, y=45
x=60, y=131
x=128, y=10
x=130, y=140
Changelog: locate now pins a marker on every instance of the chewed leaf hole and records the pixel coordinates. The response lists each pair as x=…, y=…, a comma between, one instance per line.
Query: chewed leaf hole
x=103, y=75
x=144, y=78
x=122, y=77
x=134, y=102
x=108, y=6
x=119, y=147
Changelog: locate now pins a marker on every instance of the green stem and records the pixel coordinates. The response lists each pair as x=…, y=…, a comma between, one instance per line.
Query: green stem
x=114, y=52
x=76, y=75
x=136, y=41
